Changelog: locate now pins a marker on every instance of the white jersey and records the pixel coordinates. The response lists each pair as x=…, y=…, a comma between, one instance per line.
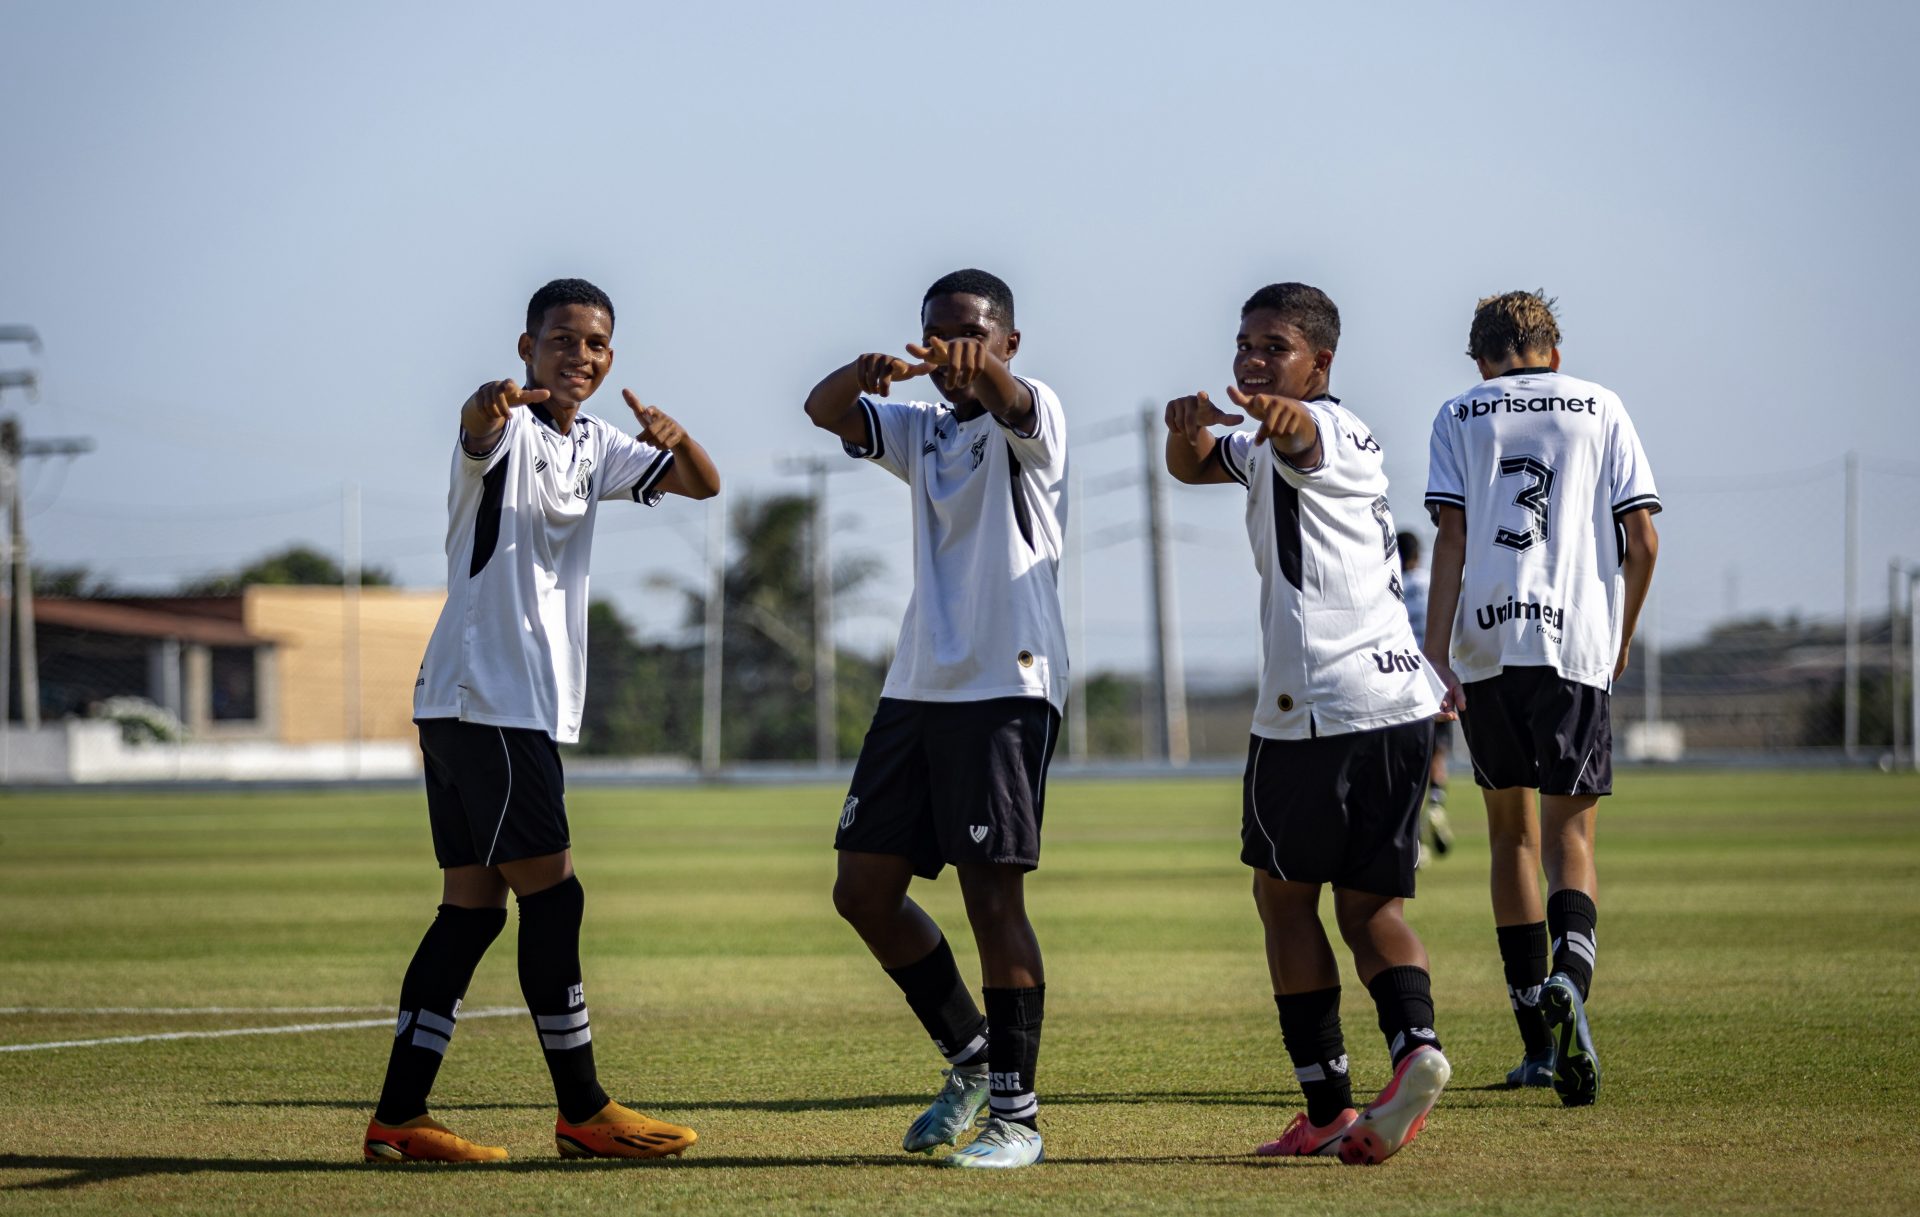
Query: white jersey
x=1544, y=466
x=1338, y=655
x=989, y=509
x=510, y=648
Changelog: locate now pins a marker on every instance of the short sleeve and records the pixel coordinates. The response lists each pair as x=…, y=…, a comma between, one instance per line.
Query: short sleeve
x=1234, y=453
x=1350, y=463
x=1046, y=443
x=1629, y=476
x=631, y=468
x=890, y=432
x=1446, y=479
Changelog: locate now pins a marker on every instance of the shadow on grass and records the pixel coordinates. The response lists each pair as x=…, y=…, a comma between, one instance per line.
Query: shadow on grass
x=864, y=1102
x=78, y=1171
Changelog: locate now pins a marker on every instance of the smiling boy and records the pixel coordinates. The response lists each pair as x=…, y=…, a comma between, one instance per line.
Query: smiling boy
x=502, y=685
x=1343, y=732
x=954, y=766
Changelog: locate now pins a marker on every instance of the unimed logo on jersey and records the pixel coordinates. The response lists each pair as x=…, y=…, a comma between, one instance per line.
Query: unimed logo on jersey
x=1491, y=615
x=1526, y=405
x=1398, y=661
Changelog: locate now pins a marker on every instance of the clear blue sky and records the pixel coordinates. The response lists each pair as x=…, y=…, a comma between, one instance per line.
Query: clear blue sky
x=271, y=247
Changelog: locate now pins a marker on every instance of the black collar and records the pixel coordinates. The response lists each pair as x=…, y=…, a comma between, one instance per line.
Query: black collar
x=1326, y=397
x=545, y=415
x=1525, y=372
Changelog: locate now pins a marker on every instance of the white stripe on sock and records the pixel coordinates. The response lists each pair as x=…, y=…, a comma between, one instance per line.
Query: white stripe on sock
x=561, y=1022
x=430, y=1041
x=1582, y=946
x=1309, y=1073
x=1015, y=1107
x=558, y=1042
x=972, y=1049
x=427, y=1018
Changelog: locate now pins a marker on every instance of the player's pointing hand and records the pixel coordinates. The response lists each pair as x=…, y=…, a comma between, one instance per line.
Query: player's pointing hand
x=1282, y=419
x=656, y=427
x=1187, y=417
x=878, y=372
x=963, y=358
x=496, y=399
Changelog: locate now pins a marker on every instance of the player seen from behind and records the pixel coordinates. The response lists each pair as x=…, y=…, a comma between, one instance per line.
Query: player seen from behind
x=502, y=686
x=1546, y=546
x=954, y=766
x=1343, y=732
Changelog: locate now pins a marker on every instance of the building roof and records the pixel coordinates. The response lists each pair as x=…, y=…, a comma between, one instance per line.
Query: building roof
x=130, y=620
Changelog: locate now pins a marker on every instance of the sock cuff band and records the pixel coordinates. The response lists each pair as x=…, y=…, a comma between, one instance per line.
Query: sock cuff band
x=938, y=961
x=564, y=899
x=1016, y=1007
x=1572, y=900
x=1399, y=981
x=482, y=921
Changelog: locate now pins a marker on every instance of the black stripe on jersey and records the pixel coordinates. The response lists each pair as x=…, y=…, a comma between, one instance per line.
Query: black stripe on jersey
x=1226, y=462
x=876, y=443
x=643, y=490
x=1036, y=413
x=1436, y=500
x=1619, y=542
x=486, y=526
x=1286, y=528
x=1649, y=501
x=1021, y=515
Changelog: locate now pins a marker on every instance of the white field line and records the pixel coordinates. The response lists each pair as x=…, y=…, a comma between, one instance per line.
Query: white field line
x=4, y=1010
x=224, y=1033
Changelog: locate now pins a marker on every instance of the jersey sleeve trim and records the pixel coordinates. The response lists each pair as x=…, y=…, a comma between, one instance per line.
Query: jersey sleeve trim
x=1033, y=399
x=1651, y=502
x=1223, y=456
x=876, y=446
x=647, y=490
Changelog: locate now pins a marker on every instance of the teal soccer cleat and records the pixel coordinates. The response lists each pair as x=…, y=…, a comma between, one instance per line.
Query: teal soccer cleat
x=1576, y=1066
x=1532, y=1071
x=955, y=1109
x=1001, y=1145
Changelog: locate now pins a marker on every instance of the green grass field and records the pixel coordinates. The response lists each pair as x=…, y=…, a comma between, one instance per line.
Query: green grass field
x=1754, y=1011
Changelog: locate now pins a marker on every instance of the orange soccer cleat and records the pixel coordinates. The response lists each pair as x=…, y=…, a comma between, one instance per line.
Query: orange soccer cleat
x=422, y=1139
x=620, y=1132
x=1305, y=1139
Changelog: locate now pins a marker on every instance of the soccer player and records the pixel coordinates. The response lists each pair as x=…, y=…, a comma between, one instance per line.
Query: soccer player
x=954, y=766
x=1545, y=506
x=1343, y=732
x=502, y=685
x=1437, y=832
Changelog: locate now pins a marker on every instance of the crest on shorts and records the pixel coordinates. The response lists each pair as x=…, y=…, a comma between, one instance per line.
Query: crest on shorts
x=846, y=810
x=978, y=832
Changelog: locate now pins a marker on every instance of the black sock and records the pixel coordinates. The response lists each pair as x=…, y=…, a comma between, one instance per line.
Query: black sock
x=1310, y=1028
x=1571, y=917
x=940, y=1000
x=1523, y=953
x=550, y=981
x=430, y=996
x=1403, y=996
x=1013, y=1051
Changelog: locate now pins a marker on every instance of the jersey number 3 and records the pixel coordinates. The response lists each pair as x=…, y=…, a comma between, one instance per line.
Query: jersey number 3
x=1533, y=499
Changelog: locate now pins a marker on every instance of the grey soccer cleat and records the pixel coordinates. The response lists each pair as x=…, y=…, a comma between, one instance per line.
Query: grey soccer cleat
x=954, y=1110
x=1001, y=1145
x=1576, y=1066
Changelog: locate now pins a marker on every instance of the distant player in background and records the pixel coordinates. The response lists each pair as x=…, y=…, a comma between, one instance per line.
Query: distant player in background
x=502, y=685
x=1343, y=733
x=1436, y=832
x=954, y=767
x=1545, y=504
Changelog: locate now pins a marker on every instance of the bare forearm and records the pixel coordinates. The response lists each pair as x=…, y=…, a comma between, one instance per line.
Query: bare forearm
x=478, y=432
x=1443, y=587
x=1188, y=459
x=1004, y=397
x=1643, y=551
x=834, y=404
x=693, y=475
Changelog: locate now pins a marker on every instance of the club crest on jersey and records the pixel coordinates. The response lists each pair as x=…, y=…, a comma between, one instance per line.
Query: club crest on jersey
x=979, y=452
x=1398, y=661
x=583, y=478
x=847, y=809
x=978, y=832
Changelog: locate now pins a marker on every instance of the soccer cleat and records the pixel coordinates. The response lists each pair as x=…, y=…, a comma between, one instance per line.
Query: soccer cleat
x=954, y=1110
x=1440, y=829
x=620, y=1132
x=1001, y=1145
x=1392, y=1121
x=1576, y=1066
x=423, y=1139
x=1304, y=1139
x=1532, y=1071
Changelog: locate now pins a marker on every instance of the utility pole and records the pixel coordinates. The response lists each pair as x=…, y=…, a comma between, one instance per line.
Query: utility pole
x=1913, y=660
x=1850, y=732
x=1076, y=621
x=714, y=636
x=1170, y=680
x=1896, y=575
x=10, y=453
x=1654, y=641
x=826, y=698
x=350, y=623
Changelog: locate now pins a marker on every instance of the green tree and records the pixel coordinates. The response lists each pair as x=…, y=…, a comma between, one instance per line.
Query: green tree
x=300, y=565
x=642, y=699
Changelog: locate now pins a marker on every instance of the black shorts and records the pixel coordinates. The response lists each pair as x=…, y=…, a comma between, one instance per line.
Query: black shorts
x=494, y=794
x=958, y=782
x=1339, y=809
x=1533, y=727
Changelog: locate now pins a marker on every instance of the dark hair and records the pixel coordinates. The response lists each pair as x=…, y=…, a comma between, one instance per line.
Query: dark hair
x=1513, y=323
x=1409, y=546
x=1307, y=307
x=991, y=288
x=562, y=292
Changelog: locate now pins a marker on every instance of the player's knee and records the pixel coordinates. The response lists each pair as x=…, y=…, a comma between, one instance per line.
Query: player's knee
x=859, y=904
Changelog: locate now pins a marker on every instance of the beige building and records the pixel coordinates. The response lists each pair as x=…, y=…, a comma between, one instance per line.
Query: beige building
x=324, y=652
